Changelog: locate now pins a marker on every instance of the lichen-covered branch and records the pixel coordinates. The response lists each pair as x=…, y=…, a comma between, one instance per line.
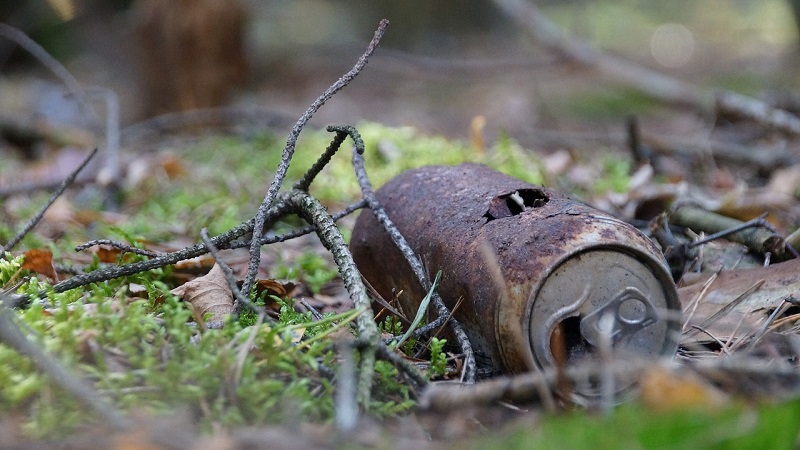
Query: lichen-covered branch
x=278, y=210
x=470, y=369
x=324, y=159
x=312, y=211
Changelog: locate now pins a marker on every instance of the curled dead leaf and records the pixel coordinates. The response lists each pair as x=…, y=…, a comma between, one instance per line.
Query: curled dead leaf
x=210, y=296
x=41, y=262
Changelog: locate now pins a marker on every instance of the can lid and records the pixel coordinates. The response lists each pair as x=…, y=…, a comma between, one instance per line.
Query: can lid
x=612, y=294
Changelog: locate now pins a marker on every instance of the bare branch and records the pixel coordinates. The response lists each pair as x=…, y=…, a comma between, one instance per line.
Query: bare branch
x=660, y=86
x=119, y=245
x=300, y=231
x=52, y=64
x=324, y=159
x=288, y=152
x=237, y=294
x=35, y=220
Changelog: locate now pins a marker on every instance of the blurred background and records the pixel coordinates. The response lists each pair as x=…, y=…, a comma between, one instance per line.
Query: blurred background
x=441, y=64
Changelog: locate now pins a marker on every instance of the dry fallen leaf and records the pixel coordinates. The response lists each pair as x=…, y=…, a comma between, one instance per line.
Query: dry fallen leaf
x=107, y=254
x=210, y=296
x=769, y=286
x=663, y=389
x=41, y=262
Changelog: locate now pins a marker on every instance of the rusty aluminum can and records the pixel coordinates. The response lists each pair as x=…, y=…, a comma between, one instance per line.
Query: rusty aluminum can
x=527, y=263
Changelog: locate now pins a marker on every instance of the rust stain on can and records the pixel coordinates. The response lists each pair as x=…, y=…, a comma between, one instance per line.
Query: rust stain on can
x=563, y=264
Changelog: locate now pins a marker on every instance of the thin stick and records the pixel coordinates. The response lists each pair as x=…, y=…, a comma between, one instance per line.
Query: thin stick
x=237, y=294
x=653, y=83
x=324, y=159
x=314, y=213
x=119, y=245
x=693, y=304
x=38, y=52
x=387, y=354
x=754, y=223
x=414, y=262
x=35, y=220
x=721, y=344
x=346, y=401
x=279, y=209
x=760, y=333
x=355, y=206
x=733, y=304
x=288, y=152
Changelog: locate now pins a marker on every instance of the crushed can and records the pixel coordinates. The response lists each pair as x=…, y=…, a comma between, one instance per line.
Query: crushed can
x=538, y=276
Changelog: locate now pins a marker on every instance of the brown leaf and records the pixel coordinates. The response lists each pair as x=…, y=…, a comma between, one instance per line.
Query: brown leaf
x=266, y=288
x=209, y=295
x=107, y=254
x=41, y=262
x=272, y=287
x=173, y=167
x=763, y=289
x=663, y=389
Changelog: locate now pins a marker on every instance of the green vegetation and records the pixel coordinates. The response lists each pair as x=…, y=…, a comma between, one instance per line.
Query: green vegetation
x=773, y=426
x=145, y=354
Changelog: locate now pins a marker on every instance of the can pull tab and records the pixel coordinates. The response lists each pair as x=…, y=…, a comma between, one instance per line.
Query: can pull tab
x=630, y=310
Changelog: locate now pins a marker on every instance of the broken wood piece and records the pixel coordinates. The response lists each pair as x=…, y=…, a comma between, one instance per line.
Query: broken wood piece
x=655, y=84
x=756, y=239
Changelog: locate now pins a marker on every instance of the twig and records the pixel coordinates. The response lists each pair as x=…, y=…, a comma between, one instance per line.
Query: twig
x=52, y=64
x=288, y=152
x=408, y=253
x=300, y=231
x=730, y=306
x=112, y=163
x=237, y=294
x=387, y=354
x=653, y=83
x=739, y=106
x=35, y=220
x=314, y=213
x=324, y=159
x=279, y=209
x=12, y=336
x=780, y=309
x=721, y=344
x=755, y=223
x=119, y=245
x=749, y=234
x=223, y=241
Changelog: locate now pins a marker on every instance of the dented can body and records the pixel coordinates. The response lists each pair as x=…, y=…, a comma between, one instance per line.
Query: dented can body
x=528, y=265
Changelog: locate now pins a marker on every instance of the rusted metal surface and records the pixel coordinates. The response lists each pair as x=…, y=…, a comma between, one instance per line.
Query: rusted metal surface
x=527, y=262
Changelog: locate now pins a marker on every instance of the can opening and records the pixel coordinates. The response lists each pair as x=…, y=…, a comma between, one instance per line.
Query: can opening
x=513, y=203
x=567, y=344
